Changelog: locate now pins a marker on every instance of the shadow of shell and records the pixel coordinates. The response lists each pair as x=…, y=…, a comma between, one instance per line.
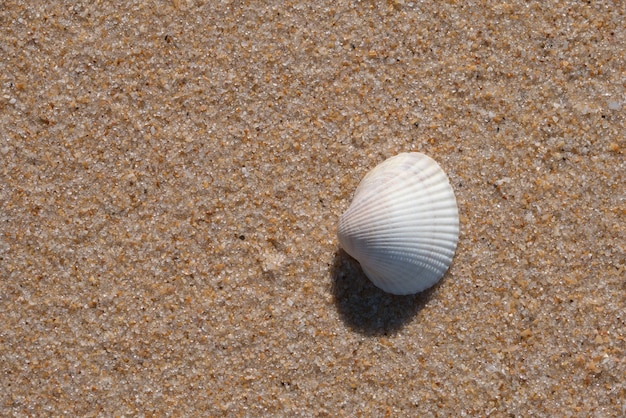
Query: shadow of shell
x=364, y=307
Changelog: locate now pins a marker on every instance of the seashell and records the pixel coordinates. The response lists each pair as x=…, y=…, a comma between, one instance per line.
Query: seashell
x=403, y=224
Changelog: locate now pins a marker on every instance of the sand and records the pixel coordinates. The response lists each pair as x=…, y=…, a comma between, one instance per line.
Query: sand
x=172, y=173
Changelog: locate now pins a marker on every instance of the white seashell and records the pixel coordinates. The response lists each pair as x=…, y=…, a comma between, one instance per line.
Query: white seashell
x=402, y=224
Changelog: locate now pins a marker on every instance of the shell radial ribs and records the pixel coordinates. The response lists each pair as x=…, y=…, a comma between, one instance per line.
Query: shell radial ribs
x=403, y=224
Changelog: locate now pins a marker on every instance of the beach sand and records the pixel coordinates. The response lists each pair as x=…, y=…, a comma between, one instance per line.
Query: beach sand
x=172, y=173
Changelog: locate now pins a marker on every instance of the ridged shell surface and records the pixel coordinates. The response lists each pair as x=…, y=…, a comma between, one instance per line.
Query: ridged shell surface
x=403, y=224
